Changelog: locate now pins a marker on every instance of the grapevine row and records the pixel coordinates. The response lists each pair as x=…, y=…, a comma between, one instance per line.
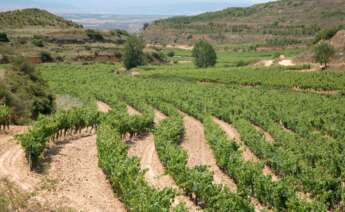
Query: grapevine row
x=197, y=182
x=4, y=117
x=326, y=190
x=36, y=139
x=123, y=172
x=248, y=175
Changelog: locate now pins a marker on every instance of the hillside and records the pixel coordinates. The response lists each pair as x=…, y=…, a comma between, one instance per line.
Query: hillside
x=33, y=18
x=281, y=22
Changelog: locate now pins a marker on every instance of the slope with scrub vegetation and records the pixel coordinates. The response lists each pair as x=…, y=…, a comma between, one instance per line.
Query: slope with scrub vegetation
x=284, y=22
x=33, y=17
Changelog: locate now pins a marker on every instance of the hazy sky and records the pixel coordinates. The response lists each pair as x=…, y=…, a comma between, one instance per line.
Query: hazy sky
x=130, y=7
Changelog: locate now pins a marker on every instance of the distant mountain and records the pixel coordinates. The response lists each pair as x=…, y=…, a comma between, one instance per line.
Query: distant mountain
x=130, y=23
x=51, y=5
x=33, y=18
x=280, y=22
x=130, y=7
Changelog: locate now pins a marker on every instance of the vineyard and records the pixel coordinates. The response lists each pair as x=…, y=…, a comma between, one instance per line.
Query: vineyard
x=299, y=168
x=241, y=109
x=4, y=117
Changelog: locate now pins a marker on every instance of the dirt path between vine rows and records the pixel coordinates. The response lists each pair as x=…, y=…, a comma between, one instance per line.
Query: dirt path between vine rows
x=75, y=177
x=247, y=154
x=13, y=165
x=200, y=153
x=103, y=107
x=77, y=180
x=145, y=149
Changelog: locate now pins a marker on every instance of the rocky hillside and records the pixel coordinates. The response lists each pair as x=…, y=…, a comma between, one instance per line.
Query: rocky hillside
x=33, y=18
x=338, y=41
x=283, y=22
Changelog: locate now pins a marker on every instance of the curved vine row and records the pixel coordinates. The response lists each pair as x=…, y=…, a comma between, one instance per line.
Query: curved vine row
x=52, y=127
x=197, y=182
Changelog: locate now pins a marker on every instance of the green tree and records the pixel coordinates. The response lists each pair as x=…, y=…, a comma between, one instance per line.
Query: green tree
x=133, y=53
x=171, y=54
x=204, y=54
x=3, y=37
x=323, y=53
x=46, y=57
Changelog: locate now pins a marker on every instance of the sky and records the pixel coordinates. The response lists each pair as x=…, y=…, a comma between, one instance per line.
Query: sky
x=128, y=7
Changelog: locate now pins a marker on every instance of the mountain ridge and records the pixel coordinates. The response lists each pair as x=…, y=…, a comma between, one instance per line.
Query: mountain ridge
x=286, y=19
x=33, y=17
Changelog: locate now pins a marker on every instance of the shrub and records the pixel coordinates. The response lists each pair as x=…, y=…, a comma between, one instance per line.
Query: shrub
x=171, y=54
x=323, y=52
x=242, y=63
x=204, y=54
x=37, y=41
x=3, y=37
x=46, y=57
x=133, y=53
x=95, y=35
x=26, y=92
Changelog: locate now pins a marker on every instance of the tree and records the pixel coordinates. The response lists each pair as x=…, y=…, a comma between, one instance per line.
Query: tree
x=204, y=54
x=133, y=53
x=3, y=37
x=46, y=57
x=145, y=26
x=323, y=52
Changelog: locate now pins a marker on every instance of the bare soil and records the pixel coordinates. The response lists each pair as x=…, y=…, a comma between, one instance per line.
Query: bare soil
x=103, y=107
x=200, y=153
x=76, y=179
x=324, y=92
x=266, y=63
x=13, y=164
x=286, y=62
x=131, y=111
x=247, y=154
x=183, y=47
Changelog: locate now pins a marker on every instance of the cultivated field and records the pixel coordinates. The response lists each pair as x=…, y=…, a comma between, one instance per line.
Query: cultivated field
x=236, y=137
